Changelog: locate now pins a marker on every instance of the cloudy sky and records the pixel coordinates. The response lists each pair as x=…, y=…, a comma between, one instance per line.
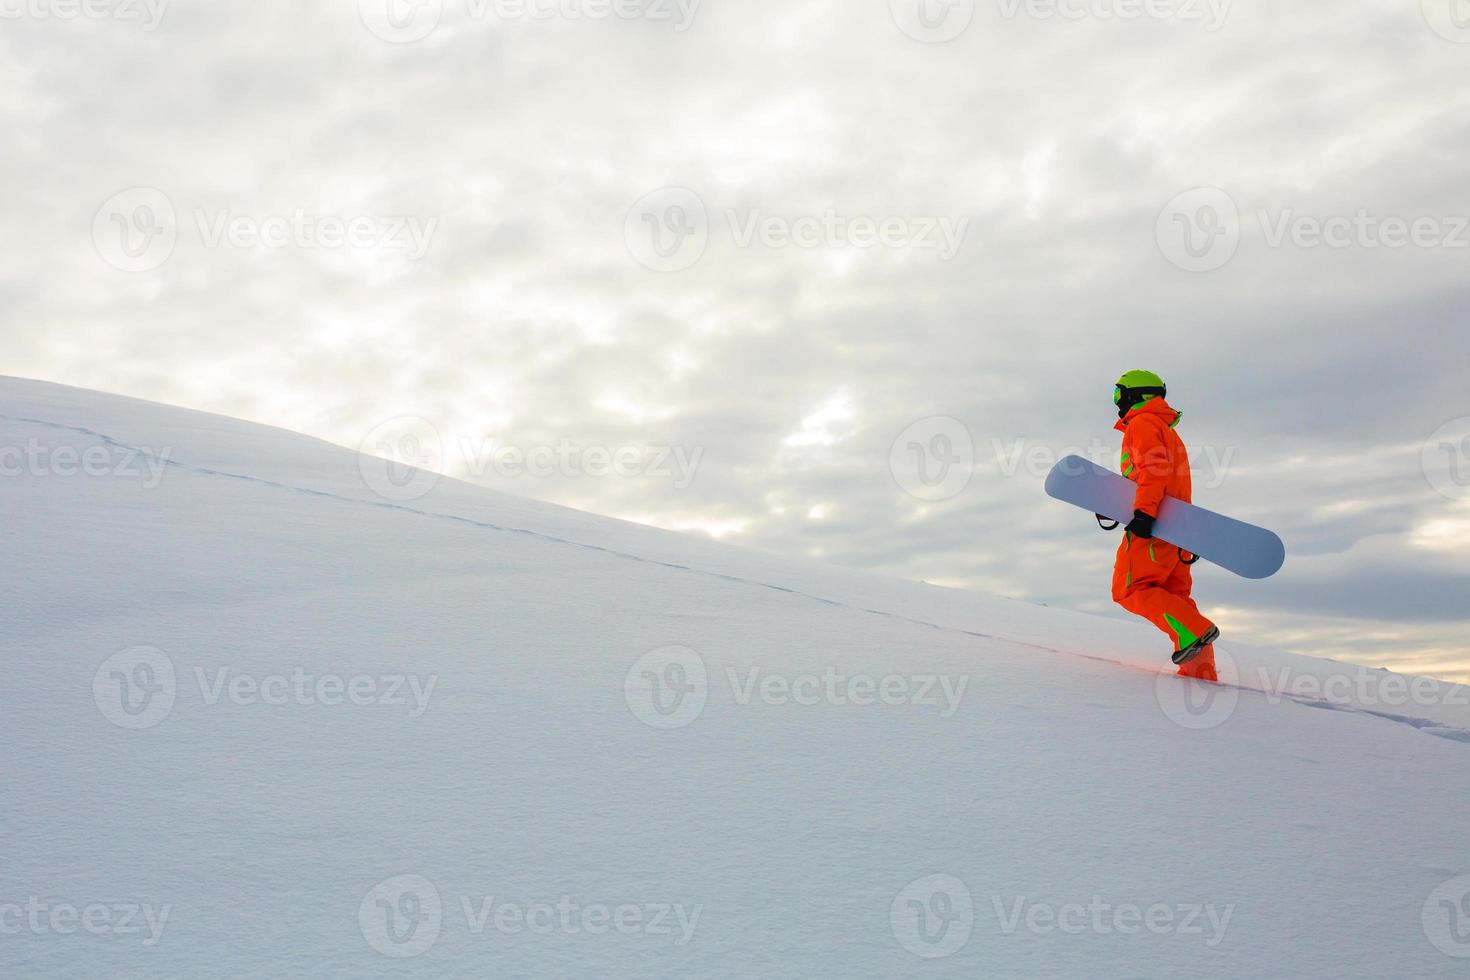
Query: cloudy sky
x=834, y=278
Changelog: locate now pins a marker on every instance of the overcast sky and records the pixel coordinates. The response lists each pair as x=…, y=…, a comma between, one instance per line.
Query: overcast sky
x=761, y=250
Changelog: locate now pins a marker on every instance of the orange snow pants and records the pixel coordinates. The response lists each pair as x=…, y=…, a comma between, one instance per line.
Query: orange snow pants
x=1151, y=580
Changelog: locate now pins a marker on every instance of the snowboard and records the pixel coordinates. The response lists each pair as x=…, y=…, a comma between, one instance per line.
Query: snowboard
x=1246, y=550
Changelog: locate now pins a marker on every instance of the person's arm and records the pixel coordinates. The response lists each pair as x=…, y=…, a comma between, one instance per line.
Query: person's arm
x=1152, y=466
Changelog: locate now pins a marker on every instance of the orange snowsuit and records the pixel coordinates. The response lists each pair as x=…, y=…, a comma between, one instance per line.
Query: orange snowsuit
x=1150, y=578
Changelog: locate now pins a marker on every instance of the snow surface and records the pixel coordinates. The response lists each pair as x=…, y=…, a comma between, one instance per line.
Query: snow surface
x=1039, y=799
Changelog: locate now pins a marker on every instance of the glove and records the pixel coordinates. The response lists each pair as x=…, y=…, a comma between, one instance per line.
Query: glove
x=1142, y=525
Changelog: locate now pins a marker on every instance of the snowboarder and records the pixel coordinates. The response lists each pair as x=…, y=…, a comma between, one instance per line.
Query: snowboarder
x=1152, y=578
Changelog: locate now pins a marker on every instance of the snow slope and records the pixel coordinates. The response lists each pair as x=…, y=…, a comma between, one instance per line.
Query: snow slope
x=264, y=722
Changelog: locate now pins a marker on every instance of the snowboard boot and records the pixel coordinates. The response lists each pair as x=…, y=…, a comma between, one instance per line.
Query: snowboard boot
x=1190, y=652
x=1202, y=667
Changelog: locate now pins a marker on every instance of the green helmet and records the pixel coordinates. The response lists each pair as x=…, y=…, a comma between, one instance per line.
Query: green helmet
x=1136, y=387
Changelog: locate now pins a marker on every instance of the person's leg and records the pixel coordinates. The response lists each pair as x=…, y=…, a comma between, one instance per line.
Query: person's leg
x=1141, y=578
x=1202, y=665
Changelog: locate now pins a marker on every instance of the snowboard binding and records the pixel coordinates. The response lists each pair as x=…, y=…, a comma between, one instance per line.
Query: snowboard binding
x=1184, y=656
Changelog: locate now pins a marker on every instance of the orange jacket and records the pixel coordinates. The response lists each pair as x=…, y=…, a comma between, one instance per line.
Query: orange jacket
x=1154, y=456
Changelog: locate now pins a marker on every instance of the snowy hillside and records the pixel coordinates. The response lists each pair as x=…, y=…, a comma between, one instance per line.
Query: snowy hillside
x=264, y=721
